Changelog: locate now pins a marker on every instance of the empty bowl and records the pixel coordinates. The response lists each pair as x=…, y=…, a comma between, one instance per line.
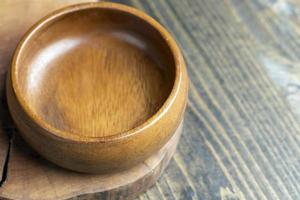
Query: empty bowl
x=97, y=87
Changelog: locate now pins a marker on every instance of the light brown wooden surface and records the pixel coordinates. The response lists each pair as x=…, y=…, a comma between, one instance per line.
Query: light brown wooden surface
x=15, y=18
x=97, y=87
x=95, y=73
x=241, y=135
x=31, y=177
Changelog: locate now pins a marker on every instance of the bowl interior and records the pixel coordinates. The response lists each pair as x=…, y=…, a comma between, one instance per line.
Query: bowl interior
x=95, y=72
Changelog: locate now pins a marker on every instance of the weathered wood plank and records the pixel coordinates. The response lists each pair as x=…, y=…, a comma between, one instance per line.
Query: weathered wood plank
x=236, y=100
x=241, y=136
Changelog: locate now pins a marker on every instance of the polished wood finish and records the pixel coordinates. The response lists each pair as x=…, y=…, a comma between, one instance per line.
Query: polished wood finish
x=91, y=74
x=97, y=87
x=16, y=17
x=241, y=131
x=33, y=178
x=28, y=176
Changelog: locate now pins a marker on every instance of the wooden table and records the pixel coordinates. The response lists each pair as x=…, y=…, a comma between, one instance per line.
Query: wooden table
x=241, y=135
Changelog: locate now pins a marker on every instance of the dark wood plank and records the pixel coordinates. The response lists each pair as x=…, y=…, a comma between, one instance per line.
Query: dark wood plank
x=241, y=135
x=235, y=109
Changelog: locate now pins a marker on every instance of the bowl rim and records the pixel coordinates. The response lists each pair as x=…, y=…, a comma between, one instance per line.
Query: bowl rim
x=67, y=135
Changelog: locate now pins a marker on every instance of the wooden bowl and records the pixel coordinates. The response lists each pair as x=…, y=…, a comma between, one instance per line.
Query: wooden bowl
x=97, y=87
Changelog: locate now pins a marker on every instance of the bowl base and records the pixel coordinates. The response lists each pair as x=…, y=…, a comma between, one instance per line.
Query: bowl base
x=31, y=177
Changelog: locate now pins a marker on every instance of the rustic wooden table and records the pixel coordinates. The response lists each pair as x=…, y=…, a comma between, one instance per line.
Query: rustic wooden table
x=241, y=135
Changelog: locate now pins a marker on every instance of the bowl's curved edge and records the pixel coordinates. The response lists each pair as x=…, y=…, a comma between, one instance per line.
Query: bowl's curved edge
x=63, y=184
x=180, y=76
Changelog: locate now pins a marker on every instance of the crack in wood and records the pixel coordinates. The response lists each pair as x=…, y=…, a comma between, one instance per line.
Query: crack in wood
x=9, y=131
x=5, y=166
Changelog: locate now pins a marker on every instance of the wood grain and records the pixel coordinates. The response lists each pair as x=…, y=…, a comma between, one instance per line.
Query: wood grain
x=248, y=132
x=94, y=74
x=16, y=17
x=241, y=136
x=31, y=177
x=101, y=90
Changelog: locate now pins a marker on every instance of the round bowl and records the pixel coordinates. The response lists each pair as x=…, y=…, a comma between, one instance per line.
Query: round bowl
x=97, y=87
